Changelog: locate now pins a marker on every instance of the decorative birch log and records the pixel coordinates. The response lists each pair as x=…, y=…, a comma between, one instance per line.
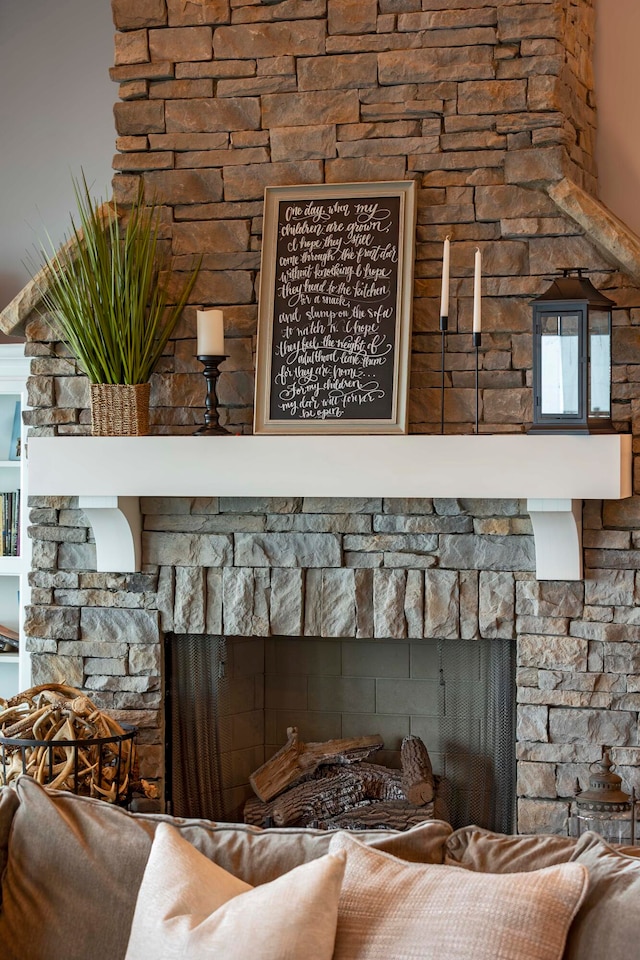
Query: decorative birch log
x=417, y=772
x=297, y=759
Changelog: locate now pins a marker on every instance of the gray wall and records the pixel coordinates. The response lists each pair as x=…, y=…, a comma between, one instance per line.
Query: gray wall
x=56, y=117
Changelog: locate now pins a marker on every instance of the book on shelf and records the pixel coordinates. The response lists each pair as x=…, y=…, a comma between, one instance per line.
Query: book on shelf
x=10, y=524
x=8, y=639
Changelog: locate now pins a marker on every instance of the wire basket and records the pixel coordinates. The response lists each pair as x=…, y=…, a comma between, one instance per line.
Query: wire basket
x=101, y=767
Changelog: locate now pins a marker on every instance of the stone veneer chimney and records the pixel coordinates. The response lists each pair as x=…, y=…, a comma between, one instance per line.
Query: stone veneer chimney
x=486, y=105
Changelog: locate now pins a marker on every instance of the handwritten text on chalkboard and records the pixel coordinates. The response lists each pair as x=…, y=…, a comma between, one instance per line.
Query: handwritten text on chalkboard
x=334, y=336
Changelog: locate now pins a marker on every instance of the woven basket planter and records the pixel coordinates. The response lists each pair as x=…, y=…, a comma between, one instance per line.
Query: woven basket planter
x=120, y=409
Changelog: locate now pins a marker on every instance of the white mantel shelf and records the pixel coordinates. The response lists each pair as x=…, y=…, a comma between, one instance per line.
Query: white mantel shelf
x=553, y=473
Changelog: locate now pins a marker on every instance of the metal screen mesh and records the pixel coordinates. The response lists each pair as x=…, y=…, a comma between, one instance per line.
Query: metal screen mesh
x=194, y=689
x=477, y=731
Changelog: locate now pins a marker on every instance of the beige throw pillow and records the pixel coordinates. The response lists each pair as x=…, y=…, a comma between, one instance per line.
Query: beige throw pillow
x=486, y=852
x=190, y=907
x=393, y=909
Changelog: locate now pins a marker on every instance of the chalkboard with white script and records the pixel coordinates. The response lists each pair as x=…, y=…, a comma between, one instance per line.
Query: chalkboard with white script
x=335, y=309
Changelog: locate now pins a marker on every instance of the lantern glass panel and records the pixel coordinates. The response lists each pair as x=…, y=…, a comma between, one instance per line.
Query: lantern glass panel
x=559, y=362
x=600, y=364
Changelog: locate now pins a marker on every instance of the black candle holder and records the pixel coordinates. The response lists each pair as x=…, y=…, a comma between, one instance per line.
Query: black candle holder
x=477, y=341
x=444, y=326
x=211, y=427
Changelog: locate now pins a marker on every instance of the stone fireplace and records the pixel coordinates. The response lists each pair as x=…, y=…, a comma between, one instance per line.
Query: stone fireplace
x=490, y=109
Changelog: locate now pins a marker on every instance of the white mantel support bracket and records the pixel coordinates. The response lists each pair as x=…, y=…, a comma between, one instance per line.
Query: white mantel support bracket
x=557, y=531
x=117, y=528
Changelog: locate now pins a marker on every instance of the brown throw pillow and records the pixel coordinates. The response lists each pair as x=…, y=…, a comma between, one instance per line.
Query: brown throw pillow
x=608, y=922
x=478, y=849
x=8, y=807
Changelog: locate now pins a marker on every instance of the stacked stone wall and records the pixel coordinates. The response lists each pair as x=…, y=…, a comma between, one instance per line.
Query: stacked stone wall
x=483, y=104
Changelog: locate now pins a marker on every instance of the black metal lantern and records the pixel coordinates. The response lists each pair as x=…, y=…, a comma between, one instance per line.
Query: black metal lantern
x=572, y=357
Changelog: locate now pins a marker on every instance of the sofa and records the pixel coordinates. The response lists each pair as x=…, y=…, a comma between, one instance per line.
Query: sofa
x=83, y=880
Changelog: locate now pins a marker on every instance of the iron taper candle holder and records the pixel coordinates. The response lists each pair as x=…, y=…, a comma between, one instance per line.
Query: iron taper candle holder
x=477, y=340
x=211, y=426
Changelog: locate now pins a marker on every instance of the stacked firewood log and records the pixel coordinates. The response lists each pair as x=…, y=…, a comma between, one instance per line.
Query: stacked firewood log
x=59, y=719
x=334, y=785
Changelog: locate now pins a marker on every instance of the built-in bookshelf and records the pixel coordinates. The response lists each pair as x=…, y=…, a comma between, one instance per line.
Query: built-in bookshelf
x=14, y=545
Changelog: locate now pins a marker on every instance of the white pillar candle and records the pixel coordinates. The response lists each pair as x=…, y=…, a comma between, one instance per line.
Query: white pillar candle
x=477, y=297
x=444, y=296
x=210, y=325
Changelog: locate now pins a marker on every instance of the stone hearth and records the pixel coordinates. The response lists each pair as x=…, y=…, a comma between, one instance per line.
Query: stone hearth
x=491, y=110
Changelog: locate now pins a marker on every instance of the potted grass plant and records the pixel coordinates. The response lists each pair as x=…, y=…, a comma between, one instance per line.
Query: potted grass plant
x=106, y=295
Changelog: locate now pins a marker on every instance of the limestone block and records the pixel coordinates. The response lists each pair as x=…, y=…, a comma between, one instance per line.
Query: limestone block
x=389, y=587
x=610, y=587
x=401, y=505
x=235, y=389
x=499, y=202
x=44, y=555
x=396, y=523
x=287, y=550
x=610, y=727
x=59, y=623
x=247, y=182
x=445, y=63
x=542, y=816
x=50, y=668
x=37, y=645
x=136, y=117
x=283, y=505
x=414, y=604
x=145, y=665
x=536, y=780
x=552, y=653
x=337, y=73
x=364, y=603
x=550, y=626
x=213, y=607
x=535, y=167
x=186, y=186
x=532, y=723
x=104, y=667
x=333, y=505
x=189, y=600
x=547, y=598
x=492, y=96
x=497, y=604
x=320, y=523
x=77, y=556
x=338, y=603
x=399, y=6
x=623, y=658
x=261, y=595
x=181, y=44
x=71, y=391
x=40, y=391
x=352, y=16
x=251, y=40
x=186, y=14
x=362, y=169
x=212, y=116
x=228, y=287
x=446, y=19
x=189, y=550
x=144, y=13
x=529, y=21
x=238, y=602
x=113, y=625
x=469, y=600
x=313, y=603
x=296, y=109
x=303, y=143
x=468, y=552
x=287, y=602
x=131, y=47
x=441, y=604
x=218, y=235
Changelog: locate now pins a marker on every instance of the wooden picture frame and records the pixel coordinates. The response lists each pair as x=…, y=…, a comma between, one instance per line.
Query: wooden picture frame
x=334, y=315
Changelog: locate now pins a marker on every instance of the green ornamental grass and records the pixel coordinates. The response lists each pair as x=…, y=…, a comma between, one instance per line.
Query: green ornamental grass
x=106, y=289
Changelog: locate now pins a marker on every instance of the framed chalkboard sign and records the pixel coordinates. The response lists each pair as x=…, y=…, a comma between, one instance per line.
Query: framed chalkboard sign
x=334, y=319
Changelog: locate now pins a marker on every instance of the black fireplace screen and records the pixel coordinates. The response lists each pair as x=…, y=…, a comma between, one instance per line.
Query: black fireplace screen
x=469, y=726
